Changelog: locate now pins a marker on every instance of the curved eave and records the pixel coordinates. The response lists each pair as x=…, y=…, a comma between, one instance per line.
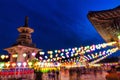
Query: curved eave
x=30, y=30
x=97, y=23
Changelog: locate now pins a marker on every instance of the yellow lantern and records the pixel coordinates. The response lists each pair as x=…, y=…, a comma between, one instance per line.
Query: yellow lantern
x=30, y=63
x=14, y=55
x=2, y=56
x=24, y=55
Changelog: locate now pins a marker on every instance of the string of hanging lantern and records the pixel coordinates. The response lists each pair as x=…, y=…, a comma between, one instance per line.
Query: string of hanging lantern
x=108, y=54
x=99, y=54
x=73, y=61
x=57, y=55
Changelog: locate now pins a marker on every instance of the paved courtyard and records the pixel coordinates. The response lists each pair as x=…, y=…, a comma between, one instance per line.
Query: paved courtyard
x=90, y=76
x=93, y=77
x=65, y=76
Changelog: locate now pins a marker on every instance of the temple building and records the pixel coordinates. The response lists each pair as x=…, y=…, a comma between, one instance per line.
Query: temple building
x=23, y=49
x=107, y=23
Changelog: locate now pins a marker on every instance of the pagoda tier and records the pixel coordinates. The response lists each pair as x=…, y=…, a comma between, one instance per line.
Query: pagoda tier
x=107, y=23
x=25, y=35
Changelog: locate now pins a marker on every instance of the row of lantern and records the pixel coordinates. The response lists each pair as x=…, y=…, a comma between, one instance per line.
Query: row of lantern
x=37, y=64
x=100, y=54
x=95, y=61
x=41, y=64
x=86, y=57
x=74, y=52
x=4, y=57
x=83, y=49
x=74, y=60
x=13, y=64
x=71, y=52
x=13, y=55
x=29, y=64
x=24, y=55
x=110, y=64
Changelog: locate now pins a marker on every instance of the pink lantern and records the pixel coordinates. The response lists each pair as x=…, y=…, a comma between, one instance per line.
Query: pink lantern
x=33, y=54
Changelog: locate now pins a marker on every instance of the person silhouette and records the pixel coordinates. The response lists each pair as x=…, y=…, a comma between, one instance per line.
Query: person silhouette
x=112, y=74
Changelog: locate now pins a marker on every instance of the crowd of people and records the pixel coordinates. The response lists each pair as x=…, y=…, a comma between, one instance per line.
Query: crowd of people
x=53, y=75
x=76, y=73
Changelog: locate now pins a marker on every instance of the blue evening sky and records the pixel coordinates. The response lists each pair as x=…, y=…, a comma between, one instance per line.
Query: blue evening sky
x=57, y=23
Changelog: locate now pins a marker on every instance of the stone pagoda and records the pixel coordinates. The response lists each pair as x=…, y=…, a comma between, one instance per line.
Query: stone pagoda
x=23, y=49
